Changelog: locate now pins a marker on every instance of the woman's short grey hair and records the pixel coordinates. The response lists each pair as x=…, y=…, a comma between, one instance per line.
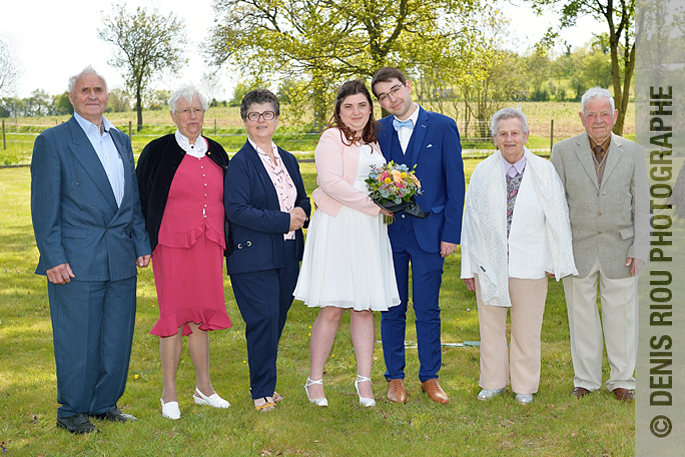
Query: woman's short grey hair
x=596, y=92
x=506, y=113
x=187, y=93
x=256, y=97
x=89, y=70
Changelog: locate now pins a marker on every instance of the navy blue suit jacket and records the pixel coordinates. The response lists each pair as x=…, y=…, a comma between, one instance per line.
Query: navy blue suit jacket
x=435, y=149
x=254, y=212
x=75, y=215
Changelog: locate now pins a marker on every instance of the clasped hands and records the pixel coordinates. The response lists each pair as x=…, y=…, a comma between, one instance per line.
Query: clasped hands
x=297, y=218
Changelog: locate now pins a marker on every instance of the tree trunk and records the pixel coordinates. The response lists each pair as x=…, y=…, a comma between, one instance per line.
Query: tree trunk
x=139, y=108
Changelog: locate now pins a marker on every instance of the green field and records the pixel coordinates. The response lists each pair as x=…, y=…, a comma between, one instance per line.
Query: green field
x=554, y=425
x=223, y=124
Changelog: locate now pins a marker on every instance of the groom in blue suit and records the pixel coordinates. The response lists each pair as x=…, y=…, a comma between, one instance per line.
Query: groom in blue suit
x=429, y=141
x=91, y=235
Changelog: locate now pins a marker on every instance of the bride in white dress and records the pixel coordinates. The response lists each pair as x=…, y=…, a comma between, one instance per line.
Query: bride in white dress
x=347, y=260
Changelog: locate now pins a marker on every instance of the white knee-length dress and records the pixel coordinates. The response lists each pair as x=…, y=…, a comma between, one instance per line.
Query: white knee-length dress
x=348, y=259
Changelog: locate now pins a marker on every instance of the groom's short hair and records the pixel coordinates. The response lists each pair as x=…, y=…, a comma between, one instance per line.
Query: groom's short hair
x=385, y=74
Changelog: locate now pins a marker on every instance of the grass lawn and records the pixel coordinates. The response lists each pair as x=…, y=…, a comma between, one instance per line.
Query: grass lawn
x=554, y=425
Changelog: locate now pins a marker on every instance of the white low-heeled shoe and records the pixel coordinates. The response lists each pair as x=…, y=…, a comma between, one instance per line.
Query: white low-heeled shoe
x=524, y=399
x=170, y=410
x=487, y=394
x=317, y=401
x=213, y=400
x=366, y=402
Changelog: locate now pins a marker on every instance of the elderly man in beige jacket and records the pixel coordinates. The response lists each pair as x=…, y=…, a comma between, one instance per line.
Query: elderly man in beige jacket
x=605, y=180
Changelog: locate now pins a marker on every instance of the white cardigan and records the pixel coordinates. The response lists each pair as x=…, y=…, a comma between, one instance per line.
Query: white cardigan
x=540, y=236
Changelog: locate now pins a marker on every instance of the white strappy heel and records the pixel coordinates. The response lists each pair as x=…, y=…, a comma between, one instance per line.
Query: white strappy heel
x=317, y=401
x=366, y=402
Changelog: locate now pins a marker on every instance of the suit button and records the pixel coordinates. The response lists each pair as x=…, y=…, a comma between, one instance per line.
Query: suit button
x=240, y=246
x=78, y=183
x=599, y=233
x=403, y=216
x=248, y=244
x=598, y=194
x=92, y=206
x=599, y=214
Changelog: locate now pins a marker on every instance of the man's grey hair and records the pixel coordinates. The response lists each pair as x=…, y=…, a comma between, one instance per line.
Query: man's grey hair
x=89, y=70
x=506, y=113
x=596, y=92
x=187, y=93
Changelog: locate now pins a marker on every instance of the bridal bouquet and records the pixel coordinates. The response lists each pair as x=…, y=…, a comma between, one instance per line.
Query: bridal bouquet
x=393, y=188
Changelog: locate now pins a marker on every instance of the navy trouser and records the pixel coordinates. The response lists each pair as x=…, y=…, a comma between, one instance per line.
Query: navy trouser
x=92, y=327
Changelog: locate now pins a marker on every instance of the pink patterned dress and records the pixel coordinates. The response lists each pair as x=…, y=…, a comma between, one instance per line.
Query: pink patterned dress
x=188, y=259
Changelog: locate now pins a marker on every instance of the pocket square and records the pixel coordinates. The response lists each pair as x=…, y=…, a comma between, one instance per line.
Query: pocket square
x=429, y=146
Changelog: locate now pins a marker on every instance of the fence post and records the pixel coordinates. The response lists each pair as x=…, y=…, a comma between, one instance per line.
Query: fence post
x=214, y=126
x=551, y=137
x=4, y=142
x=130, y=132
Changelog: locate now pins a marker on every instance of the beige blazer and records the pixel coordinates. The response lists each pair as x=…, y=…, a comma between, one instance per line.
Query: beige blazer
x=603, y=217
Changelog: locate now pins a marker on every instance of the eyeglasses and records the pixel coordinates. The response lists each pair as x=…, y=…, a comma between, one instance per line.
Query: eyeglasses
x=267, y=115
x=393, y=91
x=186, y=111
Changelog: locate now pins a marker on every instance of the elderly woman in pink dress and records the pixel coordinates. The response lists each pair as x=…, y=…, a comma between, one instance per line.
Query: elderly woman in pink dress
x=181, y=182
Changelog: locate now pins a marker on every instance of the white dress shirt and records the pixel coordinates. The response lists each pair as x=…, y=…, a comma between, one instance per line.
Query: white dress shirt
x=107, y=153
x=404, y=133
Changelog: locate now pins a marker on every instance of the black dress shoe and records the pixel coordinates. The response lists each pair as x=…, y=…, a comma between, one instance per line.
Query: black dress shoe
x=114, y=414
x=78, y=423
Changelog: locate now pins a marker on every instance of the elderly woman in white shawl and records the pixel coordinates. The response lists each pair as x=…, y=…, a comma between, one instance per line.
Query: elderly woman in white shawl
x=516, y=229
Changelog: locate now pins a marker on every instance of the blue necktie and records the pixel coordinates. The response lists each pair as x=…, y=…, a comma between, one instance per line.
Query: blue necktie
x=399, y=124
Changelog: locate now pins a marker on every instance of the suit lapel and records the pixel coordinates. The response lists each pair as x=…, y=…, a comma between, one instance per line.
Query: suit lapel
x=83, y=151
x=613, y=156
x=419, y=135
x=121, y=147
x=584, y=154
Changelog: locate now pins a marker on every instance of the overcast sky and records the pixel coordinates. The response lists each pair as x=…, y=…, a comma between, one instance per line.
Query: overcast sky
x=55, y=39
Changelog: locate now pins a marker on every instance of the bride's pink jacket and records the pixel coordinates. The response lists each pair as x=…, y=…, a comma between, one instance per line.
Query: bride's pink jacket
x=336, y=168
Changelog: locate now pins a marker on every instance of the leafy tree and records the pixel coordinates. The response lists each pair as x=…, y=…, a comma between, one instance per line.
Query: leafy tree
x=10, y=68
x=619, y=17
x=158, y=99
x=62, y=105
x=119, y=100
x=502, y=79
x=147, y=43
x=39, y=104
x=329, y=41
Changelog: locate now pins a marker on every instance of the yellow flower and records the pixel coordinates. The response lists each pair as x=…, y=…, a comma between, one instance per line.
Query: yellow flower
x=387, y=180
x=403, y=175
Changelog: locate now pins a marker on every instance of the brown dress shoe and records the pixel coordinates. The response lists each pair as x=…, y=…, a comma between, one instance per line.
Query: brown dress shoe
x=396, y=391
x=623, y=394
x=434, y=391
x=580, y=392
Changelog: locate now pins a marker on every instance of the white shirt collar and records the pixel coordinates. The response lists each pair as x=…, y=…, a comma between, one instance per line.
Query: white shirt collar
x=414, y=116
x=86, y=124
x=199, y=149
x=513, y=169
x=259, y=150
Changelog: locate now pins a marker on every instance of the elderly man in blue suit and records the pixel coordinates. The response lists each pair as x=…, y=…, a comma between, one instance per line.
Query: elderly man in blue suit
x=429, y=141
x=91, y=235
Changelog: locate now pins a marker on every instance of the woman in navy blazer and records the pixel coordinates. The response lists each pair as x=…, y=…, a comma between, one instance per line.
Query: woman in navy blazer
x=267, y=206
